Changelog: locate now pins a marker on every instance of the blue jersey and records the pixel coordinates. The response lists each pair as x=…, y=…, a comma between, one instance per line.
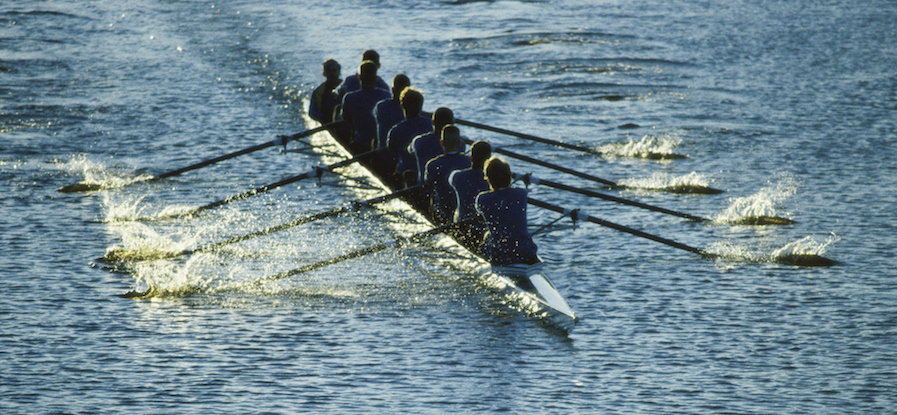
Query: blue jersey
x=352, y=84
x=424, y=148
x=438, y=171
x=387, y=113
x=401, y=135
x=359, y=107
x=322, y=103
x=508, y=241
x=467, y=183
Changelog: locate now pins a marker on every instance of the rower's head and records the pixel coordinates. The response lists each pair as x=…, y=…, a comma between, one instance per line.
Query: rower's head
x=412, y=101
x=498, y=173
x=479, y=153
x=371, y=55
x=399, y=83
x=442, y=117
x=451, y=139
x=367, y=74
x=331, y=69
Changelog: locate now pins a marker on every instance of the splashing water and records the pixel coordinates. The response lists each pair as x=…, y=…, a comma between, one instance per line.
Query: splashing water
x=759, y=208
x=97, y=175
x=648, y=147
x=166, y=278
x=805, y=246
x=804, y=252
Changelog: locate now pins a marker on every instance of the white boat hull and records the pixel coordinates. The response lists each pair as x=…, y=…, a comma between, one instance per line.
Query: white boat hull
x=532, y=289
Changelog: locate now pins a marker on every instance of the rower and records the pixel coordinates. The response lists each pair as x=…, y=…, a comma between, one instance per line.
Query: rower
x=324, y=100
x=358, y=107
x=352, y=83
x=388, y=112
x=438, y=171
x=504, y=210
x=412, y=101
x=426, y=147
x=467, y=184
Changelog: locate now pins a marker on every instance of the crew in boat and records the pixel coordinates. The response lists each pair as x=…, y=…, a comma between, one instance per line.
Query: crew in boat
x=503, y=208
x=388, y=112
x=469, y=183
x=414, y=124
x=358, y=107
x=352, y=83
x=426, y=147
x=438, y=171
x=324, y=99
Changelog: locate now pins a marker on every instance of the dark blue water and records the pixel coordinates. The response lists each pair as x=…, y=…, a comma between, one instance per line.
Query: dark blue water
x=789, y=107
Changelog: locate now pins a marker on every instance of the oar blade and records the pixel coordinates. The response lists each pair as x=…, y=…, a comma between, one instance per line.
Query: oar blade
x=806, y=260
x=81, y=187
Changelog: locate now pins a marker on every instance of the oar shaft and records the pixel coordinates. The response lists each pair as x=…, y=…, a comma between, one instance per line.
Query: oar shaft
x=552, y=166
x=521, y=135
x=527, y=137
x=369, y=250
x=585, y=192
x=259, y=190
x=621, y=228
x=304, y=220
x=82, y=187
x=238, y=153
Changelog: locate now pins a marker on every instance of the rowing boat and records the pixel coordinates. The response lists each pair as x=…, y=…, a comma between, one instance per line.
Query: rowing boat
x=525, y=284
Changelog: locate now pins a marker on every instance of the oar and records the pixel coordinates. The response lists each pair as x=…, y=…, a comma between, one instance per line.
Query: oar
x=369, y=250
x=553, y=166
x=800, y=260
x=528, y=178
x=581, y=175
x=578, y=215
x=523, y=136
x=127, y=255
x=87, y=187
x=314, y=172
x=151, y=291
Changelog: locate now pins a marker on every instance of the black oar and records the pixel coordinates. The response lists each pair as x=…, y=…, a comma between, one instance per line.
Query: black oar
x=317, y=171
x=151, y=291
x=578, y=215
x=87, y=187
x=527, y=178
x=581, y=175
x=523, y=136
x=553, y=166
x=801, y=260
x=127, y=255
x=369, y=250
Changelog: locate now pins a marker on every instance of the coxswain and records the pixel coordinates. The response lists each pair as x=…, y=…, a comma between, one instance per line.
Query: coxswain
x=414, y=124
x=324, y=100
x=388, y=112
x=426, y=147
x=352, y=83
x=469, y=183
x=503, y=208
x=358, y=107
x=438, y=171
